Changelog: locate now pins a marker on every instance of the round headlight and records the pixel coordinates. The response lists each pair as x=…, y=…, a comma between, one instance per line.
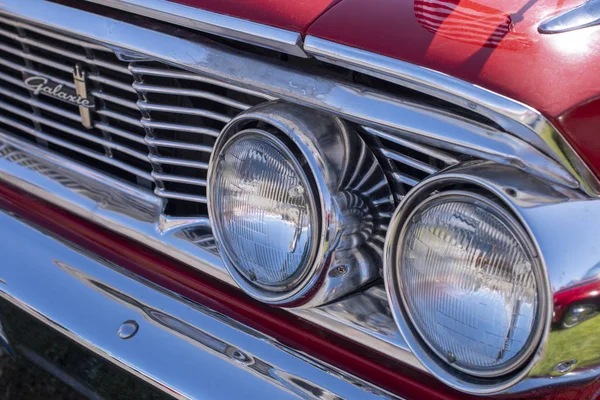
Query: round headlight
x=467, y=278
x=265, y=216
x=298, y=205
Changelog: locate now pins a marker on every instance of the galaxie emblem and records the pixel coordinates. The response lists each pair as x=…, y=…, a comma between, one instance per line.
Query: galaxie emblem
x=39, y=84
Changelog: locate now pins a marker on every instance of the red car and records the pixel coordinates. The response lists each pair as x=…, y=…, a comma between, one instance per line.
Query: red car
x=319, y=199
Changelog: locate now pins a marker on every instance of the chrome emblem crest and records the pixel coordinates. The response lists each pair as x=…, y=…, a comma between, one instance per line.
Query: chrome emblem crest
x=39, y=84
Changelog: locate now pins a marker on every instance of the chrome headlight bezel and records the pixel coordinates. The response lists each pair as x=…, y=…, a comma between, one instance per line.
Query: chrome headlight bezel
x=346, y=257
x=304, y=270
x=465, y=181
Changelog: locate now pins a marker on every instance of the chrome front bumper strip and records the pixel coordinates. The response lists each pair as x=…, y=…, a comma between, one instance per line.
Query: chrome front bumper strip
x=181, y=348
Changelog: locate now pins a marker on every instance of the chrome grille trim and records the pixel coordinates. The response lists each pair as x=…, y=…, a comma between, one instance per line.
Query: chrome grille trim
x=78, y=149
x=139, y=125
x=421, y=148
x=148, y=123
x=54, y=35
x=114, y=99
x=111, y=82
x=145, y=106
x=261, y=35
x=395, y=161
x=178, y=145
x=176, y=161
x=411, y=162
x=42, y=109
x=143, y=88
x=353, y=102
x=65, y=52
x=169, y=73
x=179, y=179
x=179, y=196
x=119, y=132
x=120, y=117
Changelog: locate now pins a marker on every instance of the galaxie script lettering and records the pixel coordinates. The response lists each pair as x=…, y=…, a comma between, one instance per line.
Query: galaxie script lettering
x=43, y=85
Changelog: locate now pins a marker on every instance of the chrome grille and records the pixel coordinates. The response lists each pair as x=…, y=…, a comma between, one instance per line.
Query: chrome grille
x=116, y=142
x=154, y=124
x=406, y=162
x=183, y=113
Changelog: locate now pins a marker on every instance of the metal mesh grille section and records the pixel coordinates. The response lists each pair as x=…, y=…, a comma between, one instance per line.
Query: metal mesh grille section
x=115, y=144
x=406, y=162
x=152, y=125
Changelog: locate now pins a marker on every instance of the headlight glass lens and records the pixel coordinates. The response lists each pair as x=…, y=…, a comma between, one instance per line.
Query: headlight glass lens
x=265, y=211
x=468, y=284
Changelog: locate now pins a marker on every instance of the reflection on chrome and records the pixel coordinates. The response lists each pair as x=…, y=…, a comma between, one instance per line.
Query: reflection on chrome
x=583, y=16
x=205, y=341
x=529, y=164
x=180, y=345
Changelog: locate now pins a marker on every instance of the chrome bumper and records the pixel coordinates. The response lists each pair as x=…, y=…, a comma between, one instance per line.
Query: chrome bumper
x=181, y=349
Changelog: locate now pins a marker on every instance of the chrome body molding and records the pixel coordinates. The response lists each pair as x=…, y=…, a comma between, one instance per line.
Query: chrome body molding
x=366, y=316
x=514, y=117
x=137, y=214
x=583, y=16
x=182, y=349
x=243, y=30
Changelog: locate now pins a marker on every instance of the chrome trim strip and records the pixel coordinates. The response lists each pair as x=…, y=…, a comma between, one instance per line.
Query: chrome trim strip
x=243, y=30
x=514, y=117
x=200, y=351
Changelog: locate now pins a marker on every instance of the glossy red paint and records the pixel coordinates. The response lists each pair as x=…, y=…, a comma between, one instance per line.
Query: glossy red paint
x=582, y=125
x=296, y=15
x=588, y=292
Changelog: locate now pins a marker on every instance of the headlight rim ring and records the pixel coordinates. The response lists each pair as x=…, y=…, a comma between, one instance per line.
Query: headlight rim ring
x=316, y=169
x=524, y=241
x=458, y=177
x=254, y=289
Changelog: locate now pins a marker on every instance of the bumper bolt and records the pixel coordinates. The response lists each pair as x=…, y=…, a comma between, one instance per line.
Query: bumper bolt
x=128, y=329
x=565, y=366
